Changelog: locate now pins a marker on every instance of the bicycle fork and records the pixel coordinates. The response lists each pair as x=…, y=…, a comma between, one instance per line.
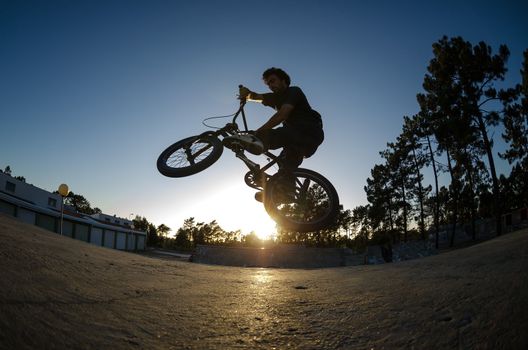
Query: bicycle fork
x=249, y=163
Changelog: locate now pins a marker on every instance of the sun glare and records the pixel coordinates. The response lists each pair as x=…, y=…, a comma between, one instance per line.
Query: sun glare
x=234, y=208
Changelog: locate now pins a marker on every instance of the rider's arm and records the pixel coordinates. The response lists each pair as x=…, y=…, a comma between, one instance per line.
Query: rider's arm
x=245, y=93
x=277, y=118
x=255, y=97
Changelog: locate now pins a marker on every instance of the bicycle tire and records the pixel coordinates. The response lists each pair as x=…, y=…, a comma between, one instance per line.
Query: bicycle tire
x=189, y=156
x=315, y=205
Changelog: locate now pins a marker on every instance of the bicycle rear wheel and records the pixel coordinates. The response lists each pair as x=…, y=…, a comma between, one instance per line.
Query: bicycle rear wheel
x=314, y=205
x=189, y=156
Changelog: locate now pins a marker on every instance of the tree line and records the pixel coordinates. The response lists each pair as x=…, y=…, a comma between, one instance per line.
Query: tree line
x=462, y=106
x=193, y=233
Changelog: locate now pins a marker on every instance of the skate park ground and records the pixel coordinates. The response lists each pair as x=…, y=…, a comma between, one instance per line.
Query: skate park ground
x=60, y=293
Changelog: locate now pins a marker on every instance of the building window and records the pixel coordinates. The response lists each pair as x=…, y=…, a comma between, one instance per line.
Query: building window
x=524, y=214
x=52, y=202
x=10, y=187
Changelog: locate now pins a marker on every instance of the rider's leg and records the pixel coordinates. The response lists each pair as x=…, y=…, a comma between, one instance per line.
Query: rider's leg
x=289, y=140
x=297, y=144
x=279, y=137
x=290, y=158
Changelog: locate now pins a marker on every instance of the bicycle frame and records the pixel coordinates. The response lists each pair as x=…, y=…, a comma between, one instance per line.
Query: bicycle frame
x=232, y=129
x=314, y=204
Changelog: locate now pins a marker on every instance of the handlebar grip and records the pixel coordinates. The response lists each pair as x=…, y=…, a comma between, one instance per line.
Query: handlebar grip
x=240, y=86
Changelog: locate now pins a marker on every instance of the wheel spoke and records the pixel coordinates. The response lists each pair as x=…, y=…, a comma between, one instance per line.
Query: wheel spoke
x=303, y=189
x=190, y=155
x=315, y=205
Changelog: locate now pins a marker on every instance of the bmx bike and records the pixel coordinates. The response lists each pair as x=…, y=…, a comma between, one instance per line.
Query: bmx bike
x=313, y=206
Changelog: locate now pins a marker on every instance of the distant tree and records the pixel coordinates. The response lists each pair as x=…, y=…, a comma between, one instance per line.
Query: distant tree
x=142, y=224
x=163, y=230
x=400, y=168
x=189, y=233
x=380, y=195
x=289, y=237
x=8, y=172
x=412, y=137
x=232, y=237
x=516, y=134
x=79, y=203
x=198, y=233
x=460, y=84
x=252, y=240
x=424, y=132
x=182, y=239
x=153, y=238
x=193, y=233
x=516, y=120
x=361, y=226
x=211, y=233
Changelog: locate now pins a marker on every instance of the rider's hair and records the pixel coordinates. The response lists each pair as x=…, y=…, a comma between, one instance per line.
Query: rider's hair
x=282, y=75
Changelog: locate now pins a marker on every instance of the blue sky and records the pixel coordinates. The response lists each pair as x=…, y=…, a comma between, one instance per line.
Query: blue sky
x=92, y=91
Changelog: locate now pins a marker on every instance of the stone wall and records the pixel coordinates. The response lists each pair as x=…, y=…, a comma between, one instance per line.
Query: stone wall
x=291, y=256
x=285, y=256
x=400, y=252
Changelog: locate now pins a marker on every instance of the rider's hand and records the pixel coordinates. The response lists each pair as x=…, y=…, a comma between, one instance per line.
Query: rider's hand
x=243, y=92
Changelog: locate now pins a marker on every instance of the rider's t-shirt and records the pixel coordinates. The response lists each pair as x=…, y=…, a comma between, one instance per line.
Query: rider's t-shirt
x=302, y=115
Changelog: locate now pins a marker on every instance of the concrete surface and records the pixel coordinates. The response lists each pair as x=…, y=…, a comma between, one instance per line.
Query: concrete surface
x=59, y=293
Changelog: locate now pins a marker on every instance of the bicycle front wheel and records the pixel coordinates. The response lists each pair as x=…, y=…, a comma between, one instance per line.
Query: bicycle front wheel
x=313, y=206
x=190, y=156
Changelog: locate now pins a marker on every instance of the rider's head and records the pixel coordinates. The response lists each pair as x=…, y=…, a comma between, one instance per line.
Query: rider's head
x=276, y=79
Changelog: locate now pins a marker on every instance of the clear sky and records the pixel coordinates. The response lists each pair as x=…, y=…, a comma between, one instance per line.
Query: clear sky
x=92, y=91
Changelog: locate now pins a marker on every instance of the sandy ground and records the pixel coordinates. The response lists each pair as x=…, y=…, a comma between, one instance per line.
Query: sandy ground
x=59, y=293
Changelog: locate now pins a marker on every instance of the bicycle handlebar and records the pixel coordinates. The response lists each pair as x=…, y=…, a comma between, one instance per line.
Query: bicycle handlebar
x=241, y=110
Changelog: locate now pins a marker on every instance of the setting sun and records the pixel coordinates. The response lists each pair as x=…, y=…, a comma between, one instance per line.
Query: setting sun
x=234, y=203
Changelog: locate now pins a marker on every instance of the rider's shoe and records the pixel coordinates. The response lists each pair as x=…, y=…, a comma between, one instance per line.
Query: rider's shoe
x=247, y=141
x=284, y=192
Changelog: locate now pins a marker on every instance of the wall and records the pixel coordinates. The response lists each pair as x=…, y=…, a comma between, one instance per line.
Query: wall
x=284, y=256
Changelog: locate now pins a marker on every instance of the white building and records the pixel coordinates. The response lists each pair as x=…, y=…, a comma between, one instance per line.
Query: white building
x=113, y=220
x=42, y=208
